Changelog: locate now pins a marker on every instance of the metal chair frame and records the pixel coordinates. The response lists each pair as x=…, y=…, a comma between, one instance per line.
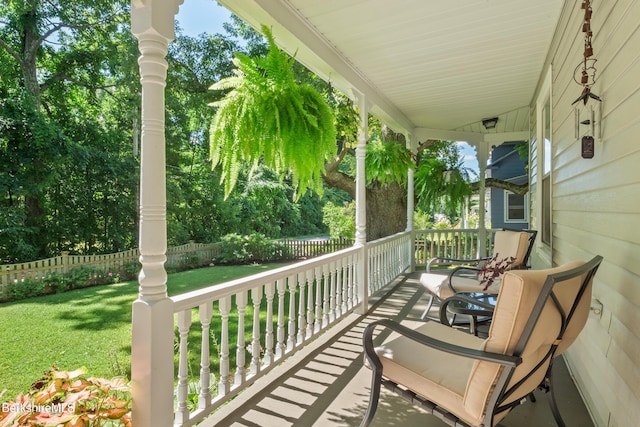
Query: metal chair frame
x=500, y=392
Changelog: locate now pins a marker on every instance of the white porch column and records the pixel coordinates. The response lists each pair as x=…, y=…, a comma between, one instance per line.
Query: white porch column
x=412, y=147
x=362, y=108
x=152, y=22
x=482, y=150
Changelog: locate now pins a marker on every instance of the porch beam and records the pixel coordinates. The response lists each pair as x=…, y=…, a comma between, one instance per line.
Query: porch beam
x=152, y=22
x=499, y=138
x=422, y=134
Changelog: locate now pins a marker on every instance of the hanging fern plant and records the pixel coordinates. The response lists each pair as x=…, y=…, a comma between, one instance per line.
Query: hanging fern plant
x=267, y=116
x=387, y=162
x=441, y=188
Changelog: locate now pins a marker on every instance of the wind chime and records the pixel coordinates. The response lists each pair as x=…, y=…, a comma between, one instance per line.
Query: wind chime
x=585, y=75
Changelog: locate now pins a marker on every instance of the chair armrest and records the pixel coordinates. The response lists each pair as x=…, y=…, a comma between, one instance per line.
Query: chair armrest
x=454, y=260
x=457, y=271
x=372, y=357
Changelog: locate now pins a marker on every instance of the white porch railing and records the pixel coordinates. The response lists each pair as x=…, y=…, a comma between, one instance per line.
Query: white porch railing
x=229, y=335
x=388, y=258
x=463, y=243
x=300, y=301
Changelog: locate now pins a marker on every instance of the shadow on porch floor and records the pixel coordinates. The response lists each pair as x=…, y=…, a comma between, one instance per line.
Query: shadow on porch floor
x=327, y=385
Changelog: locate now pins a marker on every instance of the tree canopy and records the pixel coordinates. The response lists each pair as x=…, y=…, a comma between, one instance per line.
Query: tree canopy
x=70, y=126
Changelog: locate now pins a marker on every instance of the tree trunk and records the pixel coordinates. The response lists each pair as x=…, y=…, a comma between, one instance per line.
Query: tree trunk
x=386, y=211
x=386, y=204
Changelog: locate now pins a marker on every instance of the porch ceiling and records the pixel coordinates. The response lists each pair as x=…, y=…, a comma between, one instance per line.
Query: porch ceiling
x=435, y=64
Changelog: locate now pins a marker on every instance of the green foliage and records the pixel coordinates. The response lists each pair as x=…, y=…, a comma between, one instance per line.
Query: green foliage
x=340, y=219
x=387, y=162
x=191, y=261
x=441, y=181
x=65, y=98
x=55, y=283
x=25, y=288
x=252, y=248
x=422, y=220
x=76, y=278
x=269, y=117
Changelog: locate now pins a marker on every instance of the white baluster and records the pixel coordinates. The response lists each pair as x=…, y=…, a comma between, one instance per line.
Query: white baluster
x=256, y=297
x=313, y=317
x=326, y=286
x=310, y=304
x=184, y=323
x=344, y=279
x=224, y=385
x=333, y=315
x=301, y=309
x=317, y=321
x=241, y=375
x=350, y=282
x=291, y=342
x=268, y=358
x=280, y=333
x=204, y=399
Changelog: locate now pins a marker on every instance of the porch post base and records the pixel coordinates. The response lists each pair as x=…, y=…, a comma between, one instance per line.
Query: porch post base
x=152, y=363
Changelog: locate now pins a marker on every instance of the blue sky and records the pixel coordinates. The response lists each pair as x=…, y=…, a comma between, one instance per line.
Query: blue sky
x=201, y=16
x=207, y=16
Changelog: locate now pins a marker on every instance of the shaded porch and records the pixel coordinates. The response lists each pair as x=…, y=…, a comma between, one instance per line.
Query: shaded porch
x=603, y=360
x=327, y=384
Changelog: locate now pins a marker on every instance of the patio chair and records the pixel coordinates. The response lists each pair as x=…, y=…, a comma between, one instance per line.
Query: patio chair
x=470, y=381
x=512, y=248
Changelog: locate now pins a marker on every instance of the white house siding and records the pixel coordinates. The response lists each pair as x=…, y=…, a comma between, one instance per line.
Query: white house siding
x=596, y=203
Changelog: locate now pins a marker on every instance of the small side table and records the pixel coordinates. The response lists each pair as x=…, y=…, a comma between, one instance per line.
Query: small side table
x=473, y=304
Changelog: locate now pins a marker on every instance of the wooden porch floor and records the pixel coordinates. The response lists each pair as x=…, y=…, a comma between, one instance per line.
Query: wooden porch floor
x=327, y=385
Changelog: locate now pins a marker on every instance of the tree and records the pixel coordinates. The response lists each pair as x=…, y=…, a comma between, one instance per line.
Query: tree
x=387, y=164
x=441, y=180
x=196, y=209
x=58, y=71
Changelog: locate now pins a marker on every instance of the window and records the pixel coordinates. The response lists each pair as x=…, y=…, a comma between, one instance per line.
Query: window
x=515, y=207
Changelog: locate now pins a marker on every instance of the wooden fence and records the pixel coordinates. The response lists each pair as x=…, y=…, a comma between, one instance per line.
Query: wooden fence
x=37, y=270
x=190, y=254
x=309, y=248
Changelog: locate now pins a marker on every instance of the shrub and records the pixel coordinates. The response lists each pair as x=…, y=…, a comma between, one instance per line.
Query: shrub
x=340, y=220
x=237, y=249
x=80, y=277
x=24, y=288
x=128, y=271
x=55, y=283
x=189, y=261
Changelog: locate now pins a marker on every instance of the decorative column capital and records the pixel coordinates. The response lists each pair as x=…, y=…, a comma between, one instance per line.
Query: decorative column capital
x=154, y=17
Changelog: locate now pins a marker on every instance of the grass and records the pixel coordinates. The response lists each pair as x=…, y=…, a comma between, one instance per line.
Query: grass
x=88, y=327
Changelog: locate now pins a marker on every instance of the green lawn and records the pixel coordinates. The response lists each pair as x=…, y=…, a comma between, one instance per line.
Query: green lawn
x=88, y=327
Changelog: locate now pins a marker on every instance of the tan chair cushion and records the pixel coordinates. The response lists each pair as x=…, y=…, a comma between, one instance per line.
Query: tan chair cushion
x=506, y=244
x=516, y=299
x=437, y=284
x=433, y=374
x=511, y=244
